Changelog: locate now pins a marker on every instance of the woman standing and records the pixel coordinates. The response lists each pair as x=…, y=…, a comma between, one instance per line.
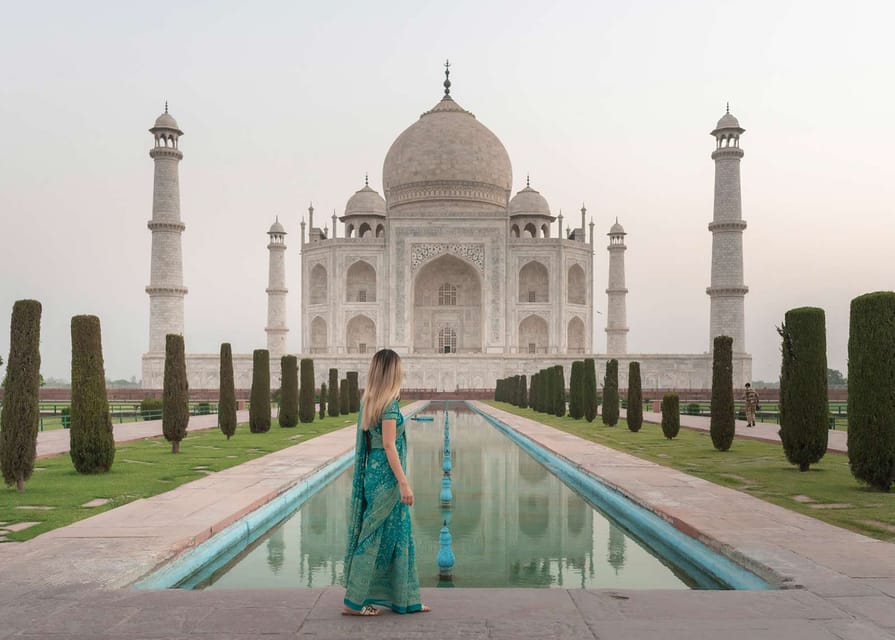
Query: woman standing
x=380, y=564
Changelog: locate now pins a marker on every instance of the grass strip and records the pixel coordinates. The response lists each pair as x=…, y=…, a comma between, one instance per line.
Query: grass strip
x=55, y=494
x=827, y=492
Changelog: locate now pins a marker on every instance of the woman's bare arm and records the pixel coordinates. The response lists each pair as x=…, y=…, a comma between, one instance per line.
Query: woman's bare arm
x=389, y=436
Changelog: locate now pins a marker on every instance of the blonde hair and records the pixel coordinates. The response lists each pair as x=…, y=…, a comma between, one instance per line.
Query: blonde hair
x=383, y=385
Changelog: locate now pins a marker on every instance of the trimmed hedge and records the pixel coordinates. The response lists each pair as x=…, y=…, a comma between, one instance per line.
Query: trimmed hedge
x=176, y=394
x=871, y=389
x=333, y=408
x=610, y=394
x=20, y=414
x=559, y=390
x=343, y=397
x=259, y=402
x=589, y=390
x=306, y=409
x=322, y=401
x=722, y=422
x=289, y=387
x=635, y=398
x=523, y=392
x=227, y=393
x=353, y=392
x=92, y=448
x=671, y=415
x=576, y=405
x=151, y=408
x=804, y=410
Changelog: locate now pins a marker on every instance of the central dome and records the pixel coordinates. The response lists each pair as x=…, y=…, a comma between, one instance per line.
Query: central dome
x=447, y=155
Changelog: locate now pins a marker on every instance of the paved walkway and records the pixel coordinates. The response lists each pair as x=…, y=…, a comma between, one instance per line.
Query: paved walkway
x=71, y=583
x=56, y=441
x=764, y=431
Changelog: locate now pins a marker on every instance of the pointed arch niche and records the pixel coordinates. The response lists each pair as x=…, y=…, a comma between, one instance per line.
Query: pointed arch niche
x=360, y=282
x=447, y=296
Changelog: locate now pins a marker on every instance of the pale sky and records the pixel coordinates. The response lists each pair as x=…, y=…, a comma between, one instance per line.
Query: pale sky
x=283, y=103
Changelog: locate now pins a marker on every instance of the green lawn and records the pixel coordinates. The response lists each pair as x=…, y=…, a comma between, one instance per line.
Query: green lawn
x=757, y=468
x=142, y=469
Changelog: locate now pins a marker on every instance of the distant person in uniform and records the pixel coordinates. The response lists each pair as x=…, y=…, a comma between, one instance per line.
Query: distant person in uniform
x=751, y=405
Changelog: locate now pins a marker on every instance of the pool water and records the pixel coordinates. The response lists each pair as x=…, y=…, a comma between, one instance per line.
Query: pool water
x=513, y=524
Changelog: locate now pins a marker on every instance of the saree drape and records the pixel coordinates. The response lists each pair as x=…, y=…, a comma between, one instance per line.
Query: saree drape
x=380, y=561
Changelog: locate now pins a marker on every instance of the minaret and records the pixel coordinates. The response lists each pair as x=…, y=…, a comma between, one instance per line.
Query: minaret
x=727, y=290
x=276, y=293
x=616, y=314
x=166, y=290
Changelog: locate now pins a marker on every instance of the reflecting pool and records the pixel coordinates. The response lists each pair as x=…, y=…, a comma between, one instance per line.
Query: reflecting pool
x=512, y=523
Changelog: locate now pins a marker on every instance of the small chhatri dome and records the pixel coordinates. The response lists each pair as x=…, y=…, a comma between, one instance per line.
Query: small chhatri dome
x=529, y=202
x=365, y=202
x=616, y=229
x=276, y=227
x=166, y=121
x=728, y=121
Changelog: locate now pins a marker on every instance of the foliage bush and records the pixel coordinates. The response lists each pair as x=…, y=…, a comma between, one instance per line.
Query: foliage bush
x=306, y=409
x=353, y=392
x=635, y=397
x=289, y=386
x=176, y=394
x=227, y=393
x=92, y=447
x=151, y=408
x=871, y=389
x=804, y=405
x=671, y=418
x=344, y=405
x=610, y=394
x=722, y=422
x=694, y=409
x=259, y=400
x=322, y=402
x=20, y=413
x=589, y=390
x=333, y=400
x=203, y=408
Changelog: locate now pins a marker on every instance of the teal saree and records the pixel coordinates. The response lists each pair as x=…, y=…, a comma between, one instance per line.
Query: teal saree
x=380, y=563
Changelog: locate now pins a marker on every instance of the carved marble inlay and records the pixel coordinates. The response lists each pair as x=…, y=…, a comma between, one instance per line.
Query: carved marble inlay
x=422, y=253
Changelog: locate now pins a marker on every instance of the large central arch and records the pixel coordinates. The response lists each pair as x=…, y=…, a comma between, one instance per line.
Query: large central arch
x=447, y=296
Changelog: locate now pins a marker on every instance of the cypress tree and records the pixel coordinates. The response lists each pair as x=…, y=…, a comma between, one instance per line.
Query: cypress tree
x=259, y=401
x=610, y=394
x=543, y=390
x=289, y=391
x=176, y=394
x=804, y=410
x=227, y=391
x=635, y=397
x=575, y=387
x=92, y=448
x=559, y=406
x=671, y=415
x=20, y=414
x=322, y=401
x=589, y=390
x=519, y=389
x=306, y=400
x=523, y=392
x=333, y=393
x=721, y=425
x=871, y=389
x=532, y=391
x=353, y=392
x=343, y=397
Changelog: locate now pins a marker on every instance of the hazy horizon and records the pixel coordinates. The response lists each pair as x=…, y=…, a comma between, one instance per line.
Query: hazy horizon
x=286, y=103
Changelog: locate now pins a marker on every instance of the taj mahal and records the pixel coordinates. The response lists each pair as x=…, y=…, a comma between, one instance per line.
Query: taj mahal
x=467, y=281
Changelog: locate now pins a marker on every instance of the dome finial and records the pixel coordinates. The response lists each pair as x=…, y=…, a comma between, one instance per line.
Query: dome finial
x=366, y=179
x=728, y=107
x=166, y=106
x=447, y=77
x=528, y=181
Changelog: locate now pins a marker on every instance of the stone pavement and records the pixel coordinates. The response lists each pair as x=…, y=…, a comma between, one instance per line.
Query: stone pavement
x=56, y=441
x=764, y=431
x=72, y=582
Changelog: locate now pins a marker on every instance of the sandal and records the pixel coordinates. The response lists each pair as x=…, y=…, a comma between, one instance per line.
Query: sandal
x=365, y=610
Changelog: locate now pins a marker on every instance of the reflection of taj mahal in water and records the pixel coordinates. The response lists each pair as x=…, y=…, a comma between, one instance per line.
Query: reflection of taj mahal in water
x=513, y=523
x=467, y=281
